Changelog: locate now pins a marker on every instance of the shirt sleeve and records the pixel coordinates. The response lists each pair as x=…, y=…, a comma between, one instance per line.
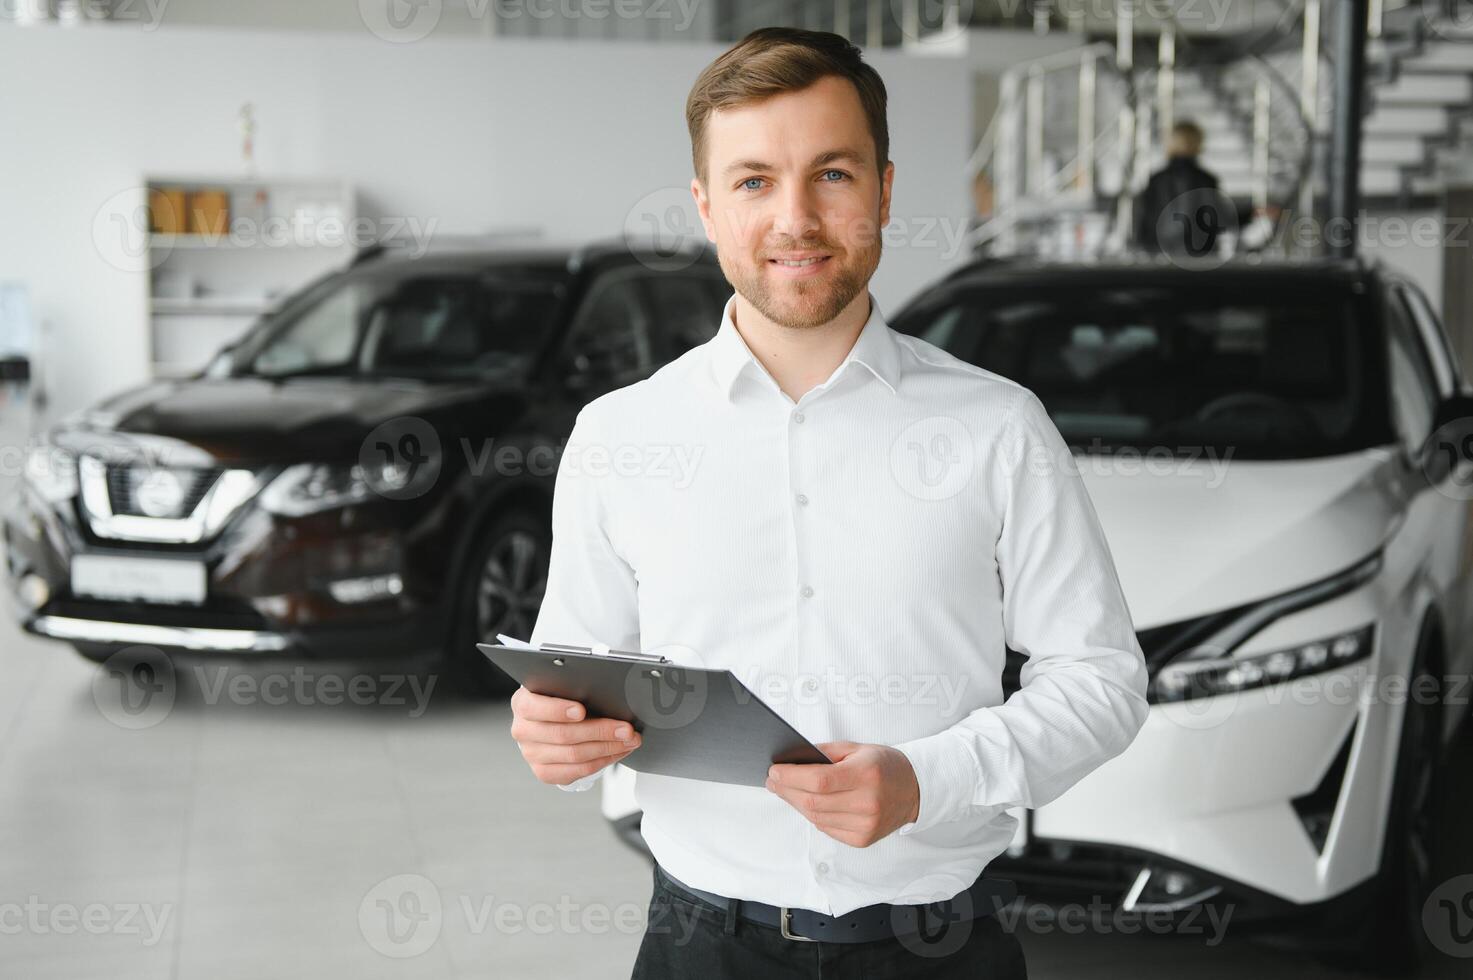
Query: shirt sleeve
x=1083, y=694
x=591, y=594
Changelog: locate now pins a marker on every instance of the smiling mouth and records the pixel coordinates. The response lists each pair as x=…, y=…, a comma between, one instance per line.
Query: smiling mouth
x=799, y=263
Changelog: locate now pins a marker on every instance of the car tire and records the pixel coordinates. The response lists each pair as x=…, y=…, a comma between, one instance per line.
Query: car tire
x=98, y=653
x=1393, y=940
x=500, y=591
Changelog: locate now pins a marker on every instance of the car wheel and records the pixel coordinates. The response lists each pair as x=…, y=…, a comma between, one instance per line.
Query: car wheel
x=1394, y=941
x=500, y=592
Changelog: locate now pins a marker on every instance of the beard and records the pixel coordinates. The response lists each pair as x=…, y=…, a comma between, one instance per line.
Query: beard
x=804, y=303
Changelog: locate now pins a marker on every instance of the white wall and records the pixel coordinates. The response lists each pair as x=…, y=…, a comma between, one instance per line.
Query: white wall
x=466, y=132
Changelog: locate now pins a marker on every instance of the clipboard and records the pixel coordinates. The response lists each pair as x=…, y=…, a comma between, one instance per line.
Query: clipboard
x=695, y=722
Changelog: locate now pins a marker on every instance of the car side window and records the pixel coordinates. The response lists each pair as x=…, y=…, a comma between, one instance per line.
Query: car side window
x=611, y=338
x=687, y=309
x=1413, y=385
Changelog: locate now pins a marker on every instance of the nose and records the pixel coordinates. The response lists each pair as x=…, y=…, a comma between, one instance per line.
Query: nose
x=797, y=211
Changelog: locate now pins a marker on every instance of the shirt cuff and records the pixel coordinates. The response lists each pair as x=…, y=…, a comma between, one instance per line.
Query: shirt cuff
x=582, y=782
x=947, y=774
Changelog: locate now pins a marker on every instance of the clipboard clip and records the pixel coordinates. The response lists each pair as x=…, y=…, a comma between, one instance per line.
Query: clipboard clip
x=631, y=655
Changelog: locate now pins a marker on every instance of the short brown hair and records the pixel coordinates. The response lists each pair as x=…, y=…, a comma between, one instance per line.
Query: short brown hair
x=773, y=60
x=1186, y=139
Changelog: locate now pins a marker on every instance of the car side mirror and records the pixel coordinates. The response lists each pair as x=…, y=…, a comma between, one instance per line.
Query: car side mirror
x=1450, y=443
x=1456, y=408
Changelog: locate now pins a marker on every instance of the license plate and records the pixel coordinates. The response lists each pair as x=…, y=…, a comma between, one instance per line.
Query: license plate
x=169, y=580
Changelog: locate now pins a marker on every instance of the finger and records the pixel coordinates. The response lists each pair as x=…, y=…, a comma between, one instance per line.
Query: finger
x=544, y=753
x=849, y=801
x=838, y=751
x=573, y=732
x=564, y=774
x=544, y=707
x=813, y=778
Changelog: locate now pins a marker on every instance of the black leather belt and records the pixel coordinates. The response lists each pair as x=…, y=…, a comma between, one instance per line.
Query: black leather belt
x=983, y=898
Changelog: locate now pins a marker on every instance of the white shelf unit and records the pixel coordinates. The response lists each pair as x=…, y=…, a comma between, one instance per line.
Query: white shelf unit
x=205, y=290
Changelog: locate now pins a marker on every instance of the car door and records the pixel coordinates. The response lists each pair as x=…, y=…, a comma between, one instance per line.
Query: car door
x=1427, y=375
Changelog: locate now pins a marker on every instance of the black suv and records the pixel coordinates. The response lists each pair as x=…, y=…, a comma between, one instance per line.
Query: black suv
x=368, y=470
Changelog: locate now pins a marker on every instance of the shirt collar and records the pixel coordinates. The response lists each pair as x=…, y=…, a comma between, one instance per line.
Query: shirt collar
x=875, y=348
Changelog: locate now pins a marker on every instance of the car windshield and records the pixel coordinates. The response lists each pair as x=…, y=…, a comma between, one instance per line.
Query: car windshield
x=1251, y=370
x=431, y=324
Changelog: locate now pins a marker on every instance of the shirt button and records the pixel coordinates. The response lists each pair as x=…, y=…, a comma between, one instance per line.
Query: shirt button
x=806, y=592
x=798, y=417
x=822, y=868
x=810, y=685
x=802, y=498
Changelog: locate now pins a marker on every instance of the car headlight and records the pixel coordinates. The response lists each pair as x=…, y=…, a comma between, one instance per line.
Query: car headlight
x=1203, y=678
x=52, y=472
x=307, y=488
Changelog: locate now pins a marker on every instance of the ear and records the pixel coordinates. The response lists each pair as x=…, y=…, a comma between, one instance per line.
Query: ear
x=887, y=180
x=703, y=208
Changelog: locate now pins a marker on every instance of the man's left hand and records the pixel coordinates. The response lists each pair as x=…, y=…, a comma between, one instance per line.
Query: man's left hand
x=868, y=793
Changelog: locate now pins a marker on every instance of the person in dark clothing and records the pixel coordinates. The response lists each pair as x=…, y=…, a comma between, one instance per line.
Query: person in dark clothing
x=1182, y=211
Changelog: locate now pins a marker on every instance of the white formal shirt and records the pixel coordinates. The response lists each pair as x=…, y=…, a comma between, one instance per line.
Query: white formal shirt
x=861, y=559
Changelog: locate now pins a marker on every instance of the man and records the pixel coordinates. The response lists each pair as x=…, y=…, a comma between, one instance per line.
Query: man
x=864, y=508
x=1181, y=211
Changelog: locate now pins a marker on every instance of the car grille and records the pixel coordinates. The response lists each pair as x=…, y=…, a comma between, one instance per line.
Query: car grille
x=127, y=485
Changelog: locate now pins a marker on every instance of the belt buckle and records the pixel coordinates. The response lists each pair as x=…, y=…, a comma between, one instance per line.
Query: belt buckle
x=784, y=919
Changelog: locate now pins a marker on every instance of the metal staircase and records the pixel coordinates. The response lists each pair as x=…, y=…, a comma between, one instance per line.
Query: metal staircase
x=1265, y=115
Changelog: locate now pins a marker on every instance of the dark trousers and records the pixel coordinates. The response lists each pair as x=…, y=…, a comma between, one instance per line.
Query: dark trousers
x=686, y=937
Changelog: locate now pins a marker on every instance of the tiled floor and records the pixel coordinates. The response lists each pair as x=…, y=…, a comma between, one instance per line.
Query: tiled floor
x=232, y=837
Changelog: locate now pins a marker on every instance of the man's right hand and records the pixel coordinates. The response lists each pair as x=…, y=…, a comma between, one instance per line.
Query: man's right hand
x=560, y=744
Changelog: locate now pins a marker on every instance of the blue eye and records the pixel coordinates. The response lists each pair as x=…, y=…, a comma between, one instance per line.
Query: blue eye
x=839, y=172
x=750, y=180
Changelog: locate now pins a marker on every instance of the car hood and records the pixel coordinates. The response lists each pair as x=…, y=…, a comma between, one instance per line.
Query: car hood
x=1190, y=538
x=243, y=420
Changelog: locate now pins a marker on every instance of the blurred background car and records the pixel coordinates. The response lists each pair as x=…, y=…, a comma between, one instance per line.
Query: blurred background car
x=368, y=472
